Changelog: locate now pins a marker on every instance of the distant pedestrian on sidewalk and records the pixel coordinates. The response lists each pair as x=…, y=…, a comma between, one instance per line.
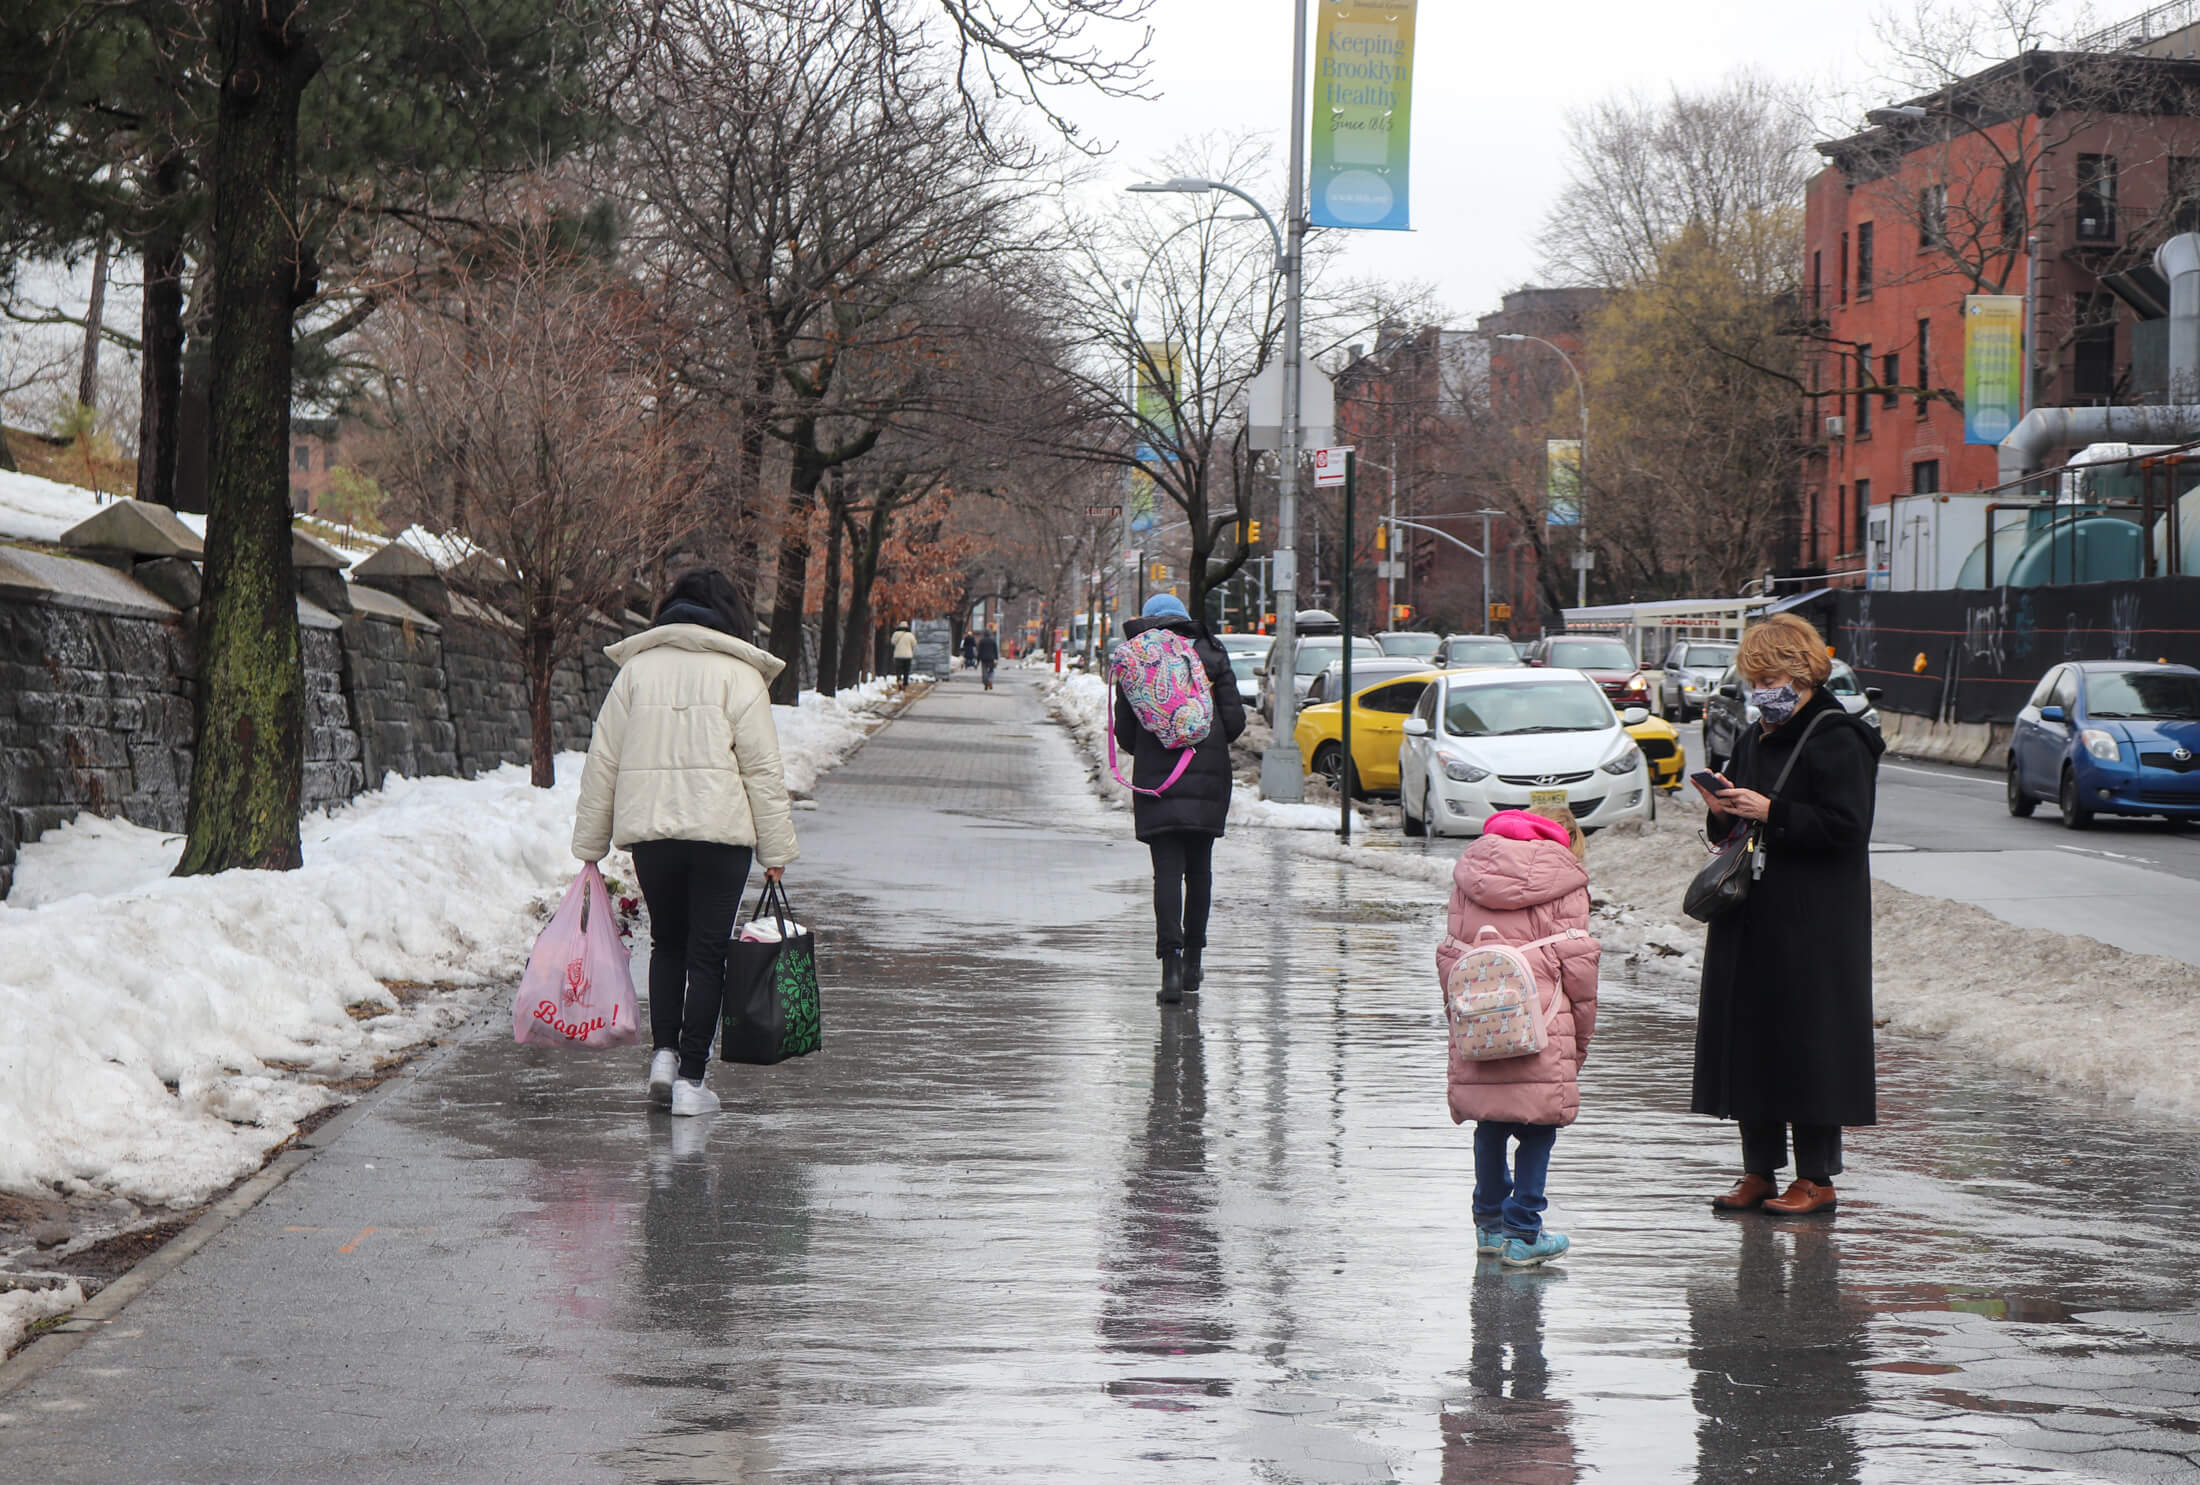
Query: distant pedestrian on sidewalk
x=989, y=655
x=970, y=649
x=1524, y=877
x=905, y=652
x=683, y=770
x=1784, y=1025
x=1181, y=824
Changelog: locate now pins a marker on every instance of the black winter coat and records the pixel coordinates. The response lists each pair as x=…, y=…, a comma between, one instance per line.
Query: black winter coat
x=1784, y=1023
x=989, y=650
x=1199, y=801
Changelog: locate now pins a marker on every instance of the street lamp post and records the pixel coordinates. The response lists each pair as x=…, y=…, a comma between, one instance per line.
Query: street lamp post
x=1581, y=472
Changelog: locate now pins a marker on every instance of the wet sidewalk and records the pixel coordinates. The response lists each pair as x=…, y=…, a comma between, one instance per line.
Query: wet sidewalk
x=1016, y=1223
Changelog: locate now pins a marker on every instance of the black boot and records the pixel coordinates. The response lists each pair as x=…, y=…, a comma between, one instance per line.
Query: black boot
x=1172, y=977
x=1192, y=973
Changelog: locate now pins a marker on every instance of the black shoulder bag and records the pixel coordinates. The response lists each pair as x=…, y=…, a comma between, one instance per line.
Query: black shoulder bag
x=1724, y=880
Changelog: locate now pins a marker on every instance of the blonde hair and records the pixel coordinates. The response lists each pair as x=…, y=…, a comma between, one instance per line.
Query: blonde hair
x=1561, y=816
x=1783, y=647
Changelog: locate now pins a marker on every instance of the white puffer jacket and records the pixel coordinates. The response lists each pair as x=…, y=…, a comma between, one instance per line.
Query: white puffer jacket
x=685, y=749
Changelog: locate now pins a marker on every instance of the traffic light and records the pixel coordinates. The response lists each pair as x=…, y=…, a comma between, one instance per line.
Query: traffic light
x=1158, y=572
x=1249, y=533
x=1401, y=613
x=1382, y=536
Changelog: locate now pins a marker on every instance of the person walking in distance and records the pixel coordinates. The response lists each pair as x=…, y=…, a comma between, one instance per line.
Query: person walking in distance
x=1784, y=1022
x=905, y=652
x=1525, y=879
x=683, y=771
x=1180, y=821
x=970, y=649
x=989, y=656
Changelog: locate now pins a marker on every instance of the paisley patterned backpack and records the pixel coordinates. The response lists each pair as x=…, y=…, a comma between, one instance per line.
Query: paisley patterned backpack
x=1493, y=1003
x=1159, y=674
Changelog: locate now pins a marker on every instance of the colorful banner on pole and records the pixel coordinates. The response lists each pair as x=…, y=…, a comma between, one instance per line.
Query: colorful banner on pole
x=1363, y=112
x=1993, y=366
x=1562, y=493
x=1155, y=377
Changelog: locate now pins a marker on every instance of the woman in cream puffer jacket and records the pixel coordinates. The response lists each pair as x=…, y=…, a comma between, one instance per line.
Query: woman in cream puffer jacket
x=683, y=771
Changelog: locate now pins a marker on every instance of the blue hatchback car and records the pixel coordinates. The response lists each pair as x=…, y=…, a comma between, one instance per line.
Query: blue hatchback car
x=2109, y=737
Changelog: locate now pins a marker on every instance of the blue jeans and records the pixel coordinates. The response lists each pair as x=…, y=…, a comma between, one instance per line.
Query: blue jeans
x=1512, y=1199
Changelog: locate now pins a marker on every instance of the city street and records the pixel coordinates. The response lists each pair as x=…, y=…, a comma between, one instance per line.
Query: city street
x=1018, y=1221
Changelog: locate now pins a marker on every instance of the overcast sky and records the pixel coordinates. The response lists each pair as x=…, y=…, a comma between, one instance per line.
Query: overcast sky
x=1493, y=83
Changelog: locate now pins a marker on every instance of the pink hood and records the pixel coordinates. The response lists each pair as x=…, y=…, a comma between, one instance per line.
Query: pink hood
x=1512, y=874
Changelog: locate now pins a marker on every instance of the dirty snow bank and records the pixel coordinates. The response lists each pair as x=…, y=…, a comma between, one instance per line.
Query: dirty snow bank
x=160, y=1032
x=20, y=1309
x=2063, y=1007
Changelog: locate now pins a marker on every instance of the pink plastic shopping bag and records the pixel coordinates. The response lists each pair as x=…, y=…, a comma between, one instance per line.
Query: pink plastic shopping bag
x=579, y=988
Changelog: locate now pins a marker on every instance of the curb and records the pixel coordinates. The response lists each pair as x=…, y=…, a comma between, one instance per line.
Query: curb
x=103, y=1308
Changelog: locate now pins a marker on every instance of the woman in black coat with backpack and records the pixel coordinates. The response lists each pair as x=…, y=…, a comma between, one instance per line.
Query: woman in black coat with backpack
x=1181, y=822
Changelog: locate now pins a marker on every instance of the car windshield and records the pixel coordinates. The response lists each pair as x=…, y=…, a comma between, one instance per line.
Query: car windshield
x=1315, y=658
x=2144, y=695
x=1590, y=654
x=1843, y=680
x=1516, y=708
x=1251, y=644
x=1482, y=649
x=1707, y=657
x=1246, y=667
x=1412, y=645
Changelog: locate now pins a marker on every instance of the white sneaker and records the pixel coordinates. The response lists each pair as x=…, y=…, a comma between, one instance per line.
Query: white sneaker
x=692, y=1098
x=664, y=1068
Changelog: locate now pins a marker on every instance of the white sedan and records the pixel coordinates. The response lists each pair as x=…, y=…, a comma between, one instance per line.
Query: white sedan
x=1488, y=740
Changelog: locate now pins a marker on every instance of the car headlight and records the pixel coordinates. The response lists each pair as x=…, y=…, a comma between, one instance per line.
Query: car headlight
x=1626, y=761
x=1461, y=771
x=2099, y=744
x=1688, y=685
x=1636, y=682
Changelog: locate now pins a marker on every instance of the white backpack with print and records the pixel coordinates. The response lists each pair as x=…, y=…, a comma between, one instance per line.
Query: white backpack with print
x=1494, y=1006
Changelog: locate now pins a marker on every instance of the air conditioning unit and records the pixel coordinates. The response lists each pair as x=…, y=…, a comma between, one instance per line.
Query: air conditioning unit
x=1837, y=427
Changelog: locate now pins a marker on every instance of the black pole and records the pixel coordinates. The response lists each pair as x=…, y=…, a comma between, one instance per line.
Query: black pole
x=1344, y=763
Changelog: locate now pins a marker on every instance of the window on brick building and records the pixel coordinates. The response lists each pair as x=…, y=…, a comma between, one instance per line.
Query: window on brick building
x=2183, y=205
x=1840, y=515
x=1810, y=527
x=1932, y=216
x=2096, y=198
x=1864, y=398
x=301, y=457
x=2013, y=209
x=1817, y=280
x=1925, y=477
x=1861, y=515
x=1843, y=265
x=1924, y=364
x=1890, y=377
x=1863, y=260
x=2093, y=348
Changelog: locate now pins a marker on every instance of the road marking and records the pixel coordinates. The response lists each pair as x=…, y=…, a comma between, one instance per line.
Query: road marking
x=364, y=1234
x=1934, y=773
x=2111, y=855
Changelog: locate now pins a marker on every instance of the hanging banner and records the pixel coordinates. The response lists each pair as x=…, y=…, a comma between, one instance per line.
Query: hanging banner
x=1363, y=110
x=1155, y=376
x=1562, y=492
x=1993, y=366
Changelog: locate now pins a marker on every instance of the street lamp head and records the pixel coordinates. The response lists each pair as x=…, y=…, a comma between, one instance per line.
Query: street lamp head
x=1510, y=336
x=1904, y=113
x=1173, y=183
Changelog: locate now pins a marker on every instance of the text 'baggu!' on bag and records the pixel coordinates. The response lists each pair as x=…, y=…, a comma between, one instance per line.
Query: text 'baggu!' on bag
x=578, y=989
x=1161, y=677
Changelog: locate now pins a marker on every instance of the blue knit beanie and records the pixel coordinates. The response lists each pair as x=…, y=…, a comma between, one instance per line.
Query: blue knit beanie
x=1165, y=606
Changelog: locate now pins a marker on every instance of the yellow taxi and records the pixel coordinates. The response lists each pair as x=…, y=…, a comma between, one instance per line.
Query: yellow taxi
x=1661, y=748
x=1378, y=729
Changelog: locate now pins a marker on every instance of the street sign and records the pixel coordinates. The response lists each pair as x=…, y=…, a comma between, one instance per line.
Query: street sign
x=1103, y=510
x=1395, y=571
x=1131, y=560
x=1584, y=561
x=1499, y=612
x=1329, y=466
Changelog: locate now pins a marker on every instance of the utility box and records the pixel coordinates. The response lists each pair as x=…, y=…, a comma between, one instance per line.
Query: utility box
x=1928, y=538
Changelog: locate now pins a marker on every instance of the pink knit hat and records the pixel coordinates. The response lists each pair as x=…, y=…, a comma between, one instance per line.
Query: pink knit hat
x=1521, y=825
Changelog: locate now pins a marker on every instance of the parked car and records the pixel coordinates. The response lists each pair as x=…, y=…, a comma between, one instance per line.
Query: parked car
x=1461, y=651
x=1727, y=710
x=1379, y=711
x=1661, y=745
x=1603, y=659
x=1692, y=671
x=1309, y=658
x=1248, y=653
x=1481, y=741
x=1409, y=644
x=2109, y=737
x=1329, y=685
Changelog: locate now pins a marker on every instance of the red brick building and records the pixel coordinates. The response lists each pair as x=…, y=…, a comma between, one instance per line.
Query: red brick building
x=2053, y=176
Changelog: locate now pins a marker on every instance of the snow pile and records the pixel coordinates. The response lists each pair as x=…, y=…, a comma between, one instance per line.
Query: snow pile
x=34, y=509
x=20, y=1309
x=818, y=735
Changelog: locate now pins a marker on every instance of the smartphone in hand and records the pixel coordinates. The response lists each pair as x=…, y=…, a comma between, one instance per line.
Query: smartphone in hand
x=1709, y=782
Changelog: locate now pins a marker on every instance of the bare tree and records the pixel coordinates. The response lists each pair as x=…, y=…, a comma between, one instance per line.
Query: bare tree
x=529, y=401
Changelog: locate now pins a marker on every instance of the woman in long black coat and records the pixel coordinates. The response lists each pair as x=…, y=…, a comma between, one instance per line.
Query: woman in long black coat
x=1180, y=825
x=1784, y=1026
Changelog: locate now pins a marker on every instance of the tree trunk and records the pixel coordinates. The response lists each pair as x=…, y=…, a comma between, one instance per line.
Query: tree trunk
x=793, y=578
x=828, y=624
x=95, y=321
x=160, y=369
x=248, y=775
x=542, y=669
x=862, y=574
x=7, y=458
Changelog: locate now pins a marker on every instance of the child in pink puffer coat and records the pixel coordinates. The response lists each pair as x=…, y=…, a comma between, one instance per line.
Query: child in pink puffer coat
x=1524, y=877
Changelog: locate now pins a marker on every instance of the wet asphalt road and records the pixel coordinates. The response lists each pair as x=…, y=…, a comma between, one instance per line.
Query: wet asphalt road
x=1017, y=1223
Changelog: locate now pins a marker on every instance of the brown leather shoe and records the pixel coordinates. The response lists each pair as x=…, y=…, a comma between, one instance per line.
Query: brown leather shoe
x=1748, y=1194
x=1803, y=1199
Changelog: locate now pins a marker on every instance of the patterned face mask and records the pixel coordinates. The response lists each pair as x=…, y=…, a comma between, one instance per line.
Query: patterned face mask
x=1775, y=703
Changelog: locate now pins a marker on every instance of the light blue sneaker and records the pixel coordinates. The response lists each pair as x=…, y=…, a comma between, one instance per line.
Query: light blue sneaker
x=1517, y=1253
x=1489, y=1240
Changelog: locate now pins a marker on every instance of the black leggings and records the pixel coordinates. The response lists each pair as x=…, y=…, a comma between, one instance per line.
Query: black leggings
x=1183, y=889
x=693, y=888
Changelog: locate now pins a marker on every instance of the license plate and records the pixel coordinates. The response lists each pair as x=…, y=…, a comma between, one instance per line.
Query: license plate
x=1542, y=799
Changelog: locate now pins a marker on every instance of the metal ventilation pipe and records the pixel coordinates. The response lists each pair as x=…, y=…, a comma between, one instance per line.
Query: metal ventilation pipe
x=2044, y=428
